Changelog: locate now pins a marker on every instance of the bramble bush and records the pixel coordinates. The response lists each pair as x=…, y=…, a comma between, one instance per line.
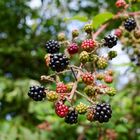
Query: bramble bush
x=76, y=74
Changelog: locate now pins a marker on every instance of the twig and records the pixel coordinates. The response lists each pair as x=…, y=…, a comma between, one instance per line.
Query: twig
x=49, y=77
x=74, y=86
x=75, y=67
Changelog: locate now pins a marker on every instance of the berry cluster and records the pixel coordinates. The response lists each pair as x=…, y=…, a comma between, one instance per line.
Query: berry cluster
x=88, y=76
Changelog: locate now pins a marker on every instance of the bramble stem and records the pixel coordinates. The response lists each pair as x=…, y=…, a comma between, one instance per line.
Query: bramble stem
x=75, y=85
x=87, y=98
x=49, y=77
x=104, y=26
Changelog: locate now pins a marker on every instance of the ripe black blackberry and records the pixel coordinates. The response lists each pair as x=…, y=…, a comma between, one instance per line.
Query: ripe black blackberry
x=37, y=93
x=72, y=117
x=110, y=41
x=130, y=24
x=52, y=46
x=58, y=62
x=102, y=112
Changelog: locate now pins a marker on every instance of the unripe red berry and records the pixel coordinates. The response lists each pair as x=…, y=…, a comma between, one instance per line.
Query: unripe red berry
x=47, y=59
x=137, y=34
x=118, y=32
x=102, y=86
x=88, y=45
x=110, y=72
x=90, y=115
x=61, y=88
x=120, y=3
x=87, y=78
x=61, y=109
x=108, y=79
x=73, y=48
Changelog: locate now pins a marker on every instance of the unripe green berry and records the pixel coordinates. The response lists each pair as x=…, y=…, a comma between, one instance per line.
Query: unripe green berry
x=137, y=34
x=52, y=96
x=99, y=76
x=84, y=57
x=102, y=63
x=69, y=86
x=81, y=108
x=89, y=90
x=75, y=33
x=112, y=54
x=88, y=28
x=110, y=91
x=136, y=51
x=61, y=37
x=93, y=57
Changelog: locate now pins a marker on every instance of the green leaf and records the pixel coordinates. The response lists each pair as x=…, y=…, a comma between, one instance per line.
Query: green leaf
x=121, y=129
x=12, y=133
x=101, y=18
x=77, y=17
x=27, y=134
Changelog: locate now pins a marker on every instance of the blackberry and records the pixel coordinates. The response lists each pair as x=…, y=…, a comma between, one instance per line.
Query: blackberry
x=58, y=62
x=102, y=112
x=132, y=59
x=37, y=93
x=71, y=117
x=52, y=46
x=130, y=24
x=110, y=41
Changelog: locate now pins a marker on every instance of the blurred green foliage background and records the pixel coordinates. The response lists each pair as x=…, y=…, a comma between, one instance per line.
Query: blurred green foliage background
x=24, y=29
